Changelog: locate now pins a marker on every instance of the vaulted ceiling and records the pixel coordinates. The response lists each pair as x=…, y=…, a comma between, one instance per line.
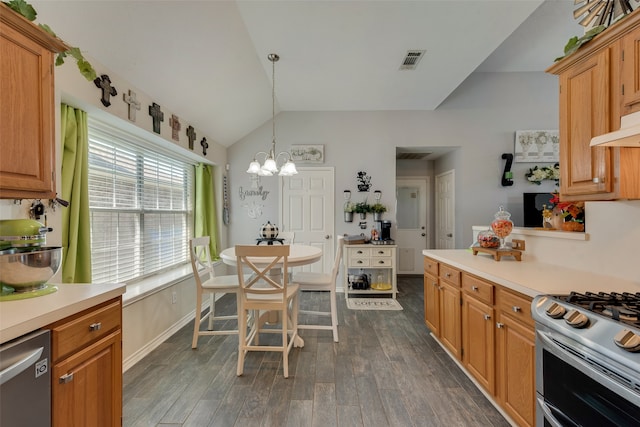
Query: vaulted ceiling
x=207, y=61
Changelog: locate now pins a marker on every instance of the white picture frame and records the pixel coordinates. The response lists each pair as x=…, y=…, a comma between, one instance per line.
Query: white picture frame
x=537, y=146
x=309, y=153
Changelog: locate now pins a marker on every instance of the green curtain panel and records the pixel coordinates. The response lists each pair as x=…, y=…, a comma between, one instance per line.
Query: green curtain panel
x=76, y=237
x=205, y=211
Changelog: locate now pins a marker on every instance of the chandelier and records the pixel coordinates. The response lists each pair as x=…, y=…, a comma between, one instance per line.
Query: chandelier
x=270, y=165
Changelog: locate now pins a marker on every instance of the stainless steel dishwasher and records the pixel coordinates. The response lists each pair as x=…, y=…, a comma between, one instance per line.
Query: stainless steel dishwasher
x=25, y=381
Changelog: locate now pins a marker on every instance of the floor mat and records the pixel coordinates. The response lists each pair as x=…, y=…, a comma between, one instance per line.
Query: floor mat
x=373, y=304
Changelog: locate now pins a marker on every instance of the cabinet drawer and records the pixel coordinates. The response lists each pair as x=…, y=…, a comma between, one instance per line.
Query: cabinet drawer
x=431, y=266
x=381, y=252
x=359, y=252
x=516, y=306
x=480, y=289
x=359, y=262
x=381, y=262
x=450, y=274
x=88, y=326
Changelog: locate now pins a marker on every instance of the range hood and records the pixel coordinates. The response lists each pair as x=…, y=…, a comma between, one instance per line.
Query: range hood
x=627, y=136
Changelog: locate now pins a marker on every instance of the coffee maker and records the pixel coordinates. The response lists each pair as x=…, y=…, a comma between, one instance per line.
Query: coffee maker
x=384, y=230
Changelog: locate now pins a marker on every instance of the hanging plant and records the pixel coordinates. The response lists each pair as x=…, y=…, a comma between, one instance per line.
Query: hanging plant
x=24, y=9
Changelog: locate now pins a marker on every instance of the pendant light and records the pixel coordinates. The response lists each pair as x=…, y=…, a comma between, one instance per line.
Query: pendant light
x=270, y=165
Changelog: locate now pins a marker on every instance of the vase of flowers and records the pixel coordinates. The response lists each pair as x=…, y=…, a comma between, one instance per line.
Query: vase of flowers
x=362, y=208
x=538, y=174
x=378, y=209
x=571, y=214
x=348, y=211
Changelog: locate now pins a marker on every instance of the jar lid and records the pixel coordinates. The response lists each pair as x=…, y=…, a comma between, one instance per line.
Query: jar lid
x=502, y=214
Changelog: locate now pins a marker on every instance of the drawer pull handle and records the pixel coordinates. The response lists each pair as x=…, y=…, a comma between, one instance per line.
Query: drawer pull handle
x=486, y=317
x=95, y=326
x=435, y=284
x=359, y=252
x=516, y=309
x=500, y=325
x=448, y=274
x=359, y=262
x=474, y=288
x=380, y=262
x=381, y=252
x=66, y=378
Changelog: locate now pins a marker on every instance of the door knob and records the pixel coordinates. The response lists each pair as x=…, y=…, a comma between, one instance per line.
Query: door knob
x=423, y=234
x=327, y=237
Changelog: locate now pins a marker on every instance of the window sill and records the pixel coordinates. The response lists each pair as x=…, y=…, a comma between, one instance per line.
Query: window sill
x=156, y=283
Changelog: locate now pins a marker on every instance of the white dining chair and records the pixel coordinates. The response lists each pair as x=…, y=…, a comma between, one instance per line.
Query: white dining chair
x=208, y=283
x=264, y=292
x=326, y=282
x=288, y=237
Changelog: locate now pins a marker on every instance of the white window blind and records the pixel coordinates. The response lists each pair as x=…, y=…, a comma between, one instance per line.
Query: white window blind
x=140, y=202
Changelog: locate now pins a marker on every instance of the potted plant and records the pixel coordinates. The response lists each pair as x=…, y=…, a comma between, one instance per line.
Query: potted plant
x=362, y=208
x=378, y=209
x=348, y=211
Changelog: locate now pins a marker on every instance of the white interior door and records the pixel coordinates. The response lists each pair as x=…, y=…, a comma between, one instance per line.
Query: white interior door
x=412, y=220
x=445, y=210
x=307, y=209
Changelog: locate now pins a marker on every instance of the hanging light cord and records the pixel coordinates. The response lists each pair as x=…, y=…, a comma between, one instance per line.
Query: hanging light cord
x=273, y=58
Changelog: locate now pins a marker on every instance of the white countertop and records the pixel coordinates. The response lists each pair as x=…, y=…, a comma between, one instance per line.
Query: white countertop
x=530, y=277
x=23, y=316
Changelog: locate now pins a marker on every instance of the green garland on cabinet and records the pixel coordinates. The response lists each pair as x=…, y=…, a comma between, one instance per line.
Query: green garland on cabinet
x=25, y=9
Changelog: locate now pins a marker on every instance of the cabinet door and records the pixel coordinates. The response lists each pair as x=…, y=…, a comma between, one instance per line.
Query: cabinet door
x=630, y=56
x=478, y=342
x=450, y=331
x=585, y=111
x=515, y=362
x=432, y=304
x=27, y=117
x=87, y=386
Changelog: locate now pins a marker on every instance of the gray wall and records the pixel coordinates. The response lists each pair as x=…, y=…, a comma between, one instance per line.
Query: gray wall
x=480, y=117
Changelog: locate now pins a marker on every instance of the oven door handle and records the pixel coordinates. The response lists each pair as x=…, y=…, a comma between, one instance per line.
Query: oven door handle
x=549, y=417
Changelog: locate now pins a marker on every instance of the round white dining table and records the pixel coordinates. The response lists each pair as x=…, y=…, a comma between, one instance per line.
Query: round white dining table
x=298, y=255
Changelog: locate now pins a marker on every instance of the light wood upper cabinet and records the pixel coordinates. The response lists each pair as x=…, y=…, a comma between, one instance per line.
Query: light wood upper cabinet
x=584, y=113
x=630, y=57
x=26, y=108
x=598, y=85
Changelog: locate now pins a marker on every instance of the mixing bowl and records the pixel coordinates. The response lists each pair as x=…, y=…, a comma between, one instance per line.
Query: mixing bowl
x=28, y=270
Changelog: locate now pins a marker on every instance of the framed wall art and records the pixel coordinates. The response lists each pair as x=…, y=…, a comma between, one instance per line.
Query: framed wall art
x=537, y=146
x=307, y=153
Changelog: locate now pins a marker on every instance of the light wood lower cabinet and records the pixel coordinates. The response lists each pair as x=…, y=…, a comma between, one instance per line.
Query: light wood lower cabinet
x=489, y=329
x=87, y=368
x=478, y=341
x=516, y=357
x=450, y=326
x=432, y=303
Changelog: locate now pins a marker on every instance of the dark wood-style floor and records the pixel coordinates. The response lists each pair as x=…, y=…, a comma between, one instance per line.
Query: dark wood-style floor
x=385, y=371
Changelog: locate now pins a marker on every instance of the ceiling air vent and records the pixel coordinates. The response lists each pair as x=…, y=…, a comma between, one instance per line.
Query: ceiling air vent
x=410, y=61
x=412, y=156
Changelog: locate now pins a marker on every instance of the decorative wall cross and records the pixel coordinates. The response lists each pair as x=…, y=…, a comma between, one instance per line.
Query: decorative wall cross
x=191, y=134
x=158, y=116
x=104, y=83
x=134, y=104
x=205, y=145
x=174, y=122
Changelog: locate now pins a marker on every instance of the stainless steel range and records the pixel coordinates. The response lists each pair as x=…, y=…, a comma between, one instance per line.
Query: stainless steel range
x=587, y=359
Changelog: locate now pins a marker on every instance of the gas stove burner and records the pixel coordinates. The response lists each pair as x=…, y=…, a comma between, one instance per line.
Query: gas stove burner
x=621, y=313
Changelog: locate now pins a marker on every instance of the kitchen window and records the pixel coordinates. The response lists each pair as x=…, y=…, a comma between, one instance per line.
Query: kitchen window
x=140, y=203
